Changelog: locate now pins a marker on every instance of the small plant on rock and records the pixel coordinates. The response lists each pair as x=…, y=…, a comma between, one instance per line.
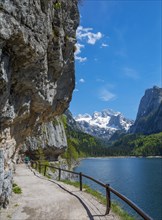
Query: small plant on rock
x=57, y=5
x=16, y=189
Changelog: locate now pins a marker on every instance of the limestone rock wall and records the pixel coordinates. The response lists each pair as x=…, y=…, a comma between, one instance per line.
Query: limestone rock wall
x=37, y=40
x=50, y=137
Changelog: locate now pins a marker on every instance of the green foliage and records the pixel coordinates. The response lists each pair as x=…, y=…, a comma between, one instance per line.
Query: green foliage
x=85, y=144
x=150, y=145
x=44, y=163
x=16, y=189
x=71, y=155
x=55, y=122
x=57, y=5
x=67, y=38
x=138, y=145
x=64, y=121
x=14, y=185
x=40, y=156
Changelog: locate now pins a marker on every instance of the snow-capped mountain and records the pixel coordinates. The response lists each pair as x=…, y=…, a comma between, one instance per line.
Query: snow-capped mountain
x=103, y=124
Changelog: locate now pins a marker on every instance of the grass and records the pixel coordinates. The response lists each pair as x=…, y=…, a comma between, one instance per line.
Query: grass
x=16, y=189
x=114, y=206
x=119, y=211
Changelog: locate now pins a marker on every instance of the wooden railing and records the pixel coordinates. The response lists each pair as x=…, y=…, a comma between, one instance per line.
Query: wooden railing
x=108, y=189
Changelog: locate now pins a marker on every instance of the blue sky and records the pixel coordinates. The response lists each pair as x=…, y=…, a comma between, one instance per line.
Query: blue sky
x=118, y=55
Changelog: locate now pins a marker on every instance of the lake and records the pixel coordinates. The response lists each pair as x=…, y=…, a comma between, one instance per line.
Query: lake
x=139, y=179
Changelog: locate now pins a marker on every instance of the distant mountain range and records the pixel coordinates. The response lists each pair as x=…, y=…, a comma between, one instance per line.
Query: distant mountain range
x=110, y=125
x=103, y=124
x=109, y=133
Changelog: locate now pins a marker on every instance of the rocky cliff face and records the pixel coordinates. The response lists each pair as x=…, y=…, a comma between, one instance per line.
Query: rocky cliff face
x=37, y=40
x=50, y=138
x=72, y=123
x=149, y=116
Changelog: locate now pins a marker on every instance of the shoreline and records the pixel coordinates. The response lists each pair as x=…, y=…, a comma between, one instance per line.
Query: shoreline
x=116, y=157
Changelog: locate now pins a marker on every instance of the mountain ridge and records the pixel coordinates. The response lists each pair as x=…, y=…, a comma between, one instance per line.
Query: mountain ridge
x=103, y=124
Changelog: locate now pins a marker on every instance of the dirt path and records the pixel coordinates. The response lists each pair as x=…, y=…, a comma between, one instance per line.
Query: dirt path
x=45, y=200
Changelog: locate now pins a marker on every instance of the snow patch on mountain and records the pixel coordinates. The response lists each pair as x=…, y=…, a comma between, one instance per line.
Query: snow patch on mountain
x=103, y=124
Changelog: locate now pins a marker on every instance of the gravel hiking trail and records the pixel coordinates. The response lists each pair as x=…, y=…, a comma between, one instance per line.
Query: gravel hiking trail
x=45, y=199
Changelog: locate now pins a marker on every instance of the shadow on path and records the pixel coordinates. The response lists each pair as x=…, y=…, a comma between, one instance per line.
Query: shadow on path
x=83, y=204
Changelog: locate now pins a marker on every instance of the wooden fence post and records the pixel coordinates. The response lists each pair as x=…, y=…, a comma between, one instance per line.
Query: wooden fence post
x=80, y=180
x=45, y=168
x=39, y=167
x=59, y=174
x=36, y=165
x=108, y=199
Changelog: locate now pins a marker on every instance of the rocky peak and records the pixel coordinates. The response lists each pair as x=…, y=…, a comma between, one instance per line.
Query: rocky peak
x=115, y=121
x=150, y=101
x=149, y=119
x=103, y=124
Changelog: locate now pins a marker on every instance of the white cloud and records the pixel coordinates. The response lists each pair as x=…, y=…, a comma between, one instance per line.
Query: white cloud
x=87, y=35
x=81, y=59
x=131, y=73
x=78, y=46
x=78, y=51
x=82, y=80
x=104, y=45
x=76, y=90
x=92, y=38
x=105, y=95
x=80, y=28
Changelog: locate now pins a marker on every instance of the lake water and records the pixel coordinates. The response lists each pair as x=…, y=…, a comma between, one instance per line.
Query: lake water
x=139, y=179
